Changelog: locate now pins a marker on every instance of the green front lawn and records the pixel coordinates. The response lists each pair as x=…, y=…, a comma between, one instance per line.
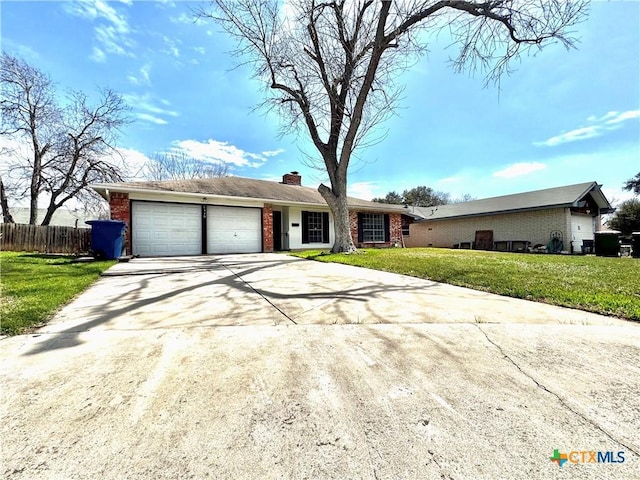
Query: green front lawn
x=34, y=286
x=610, y=286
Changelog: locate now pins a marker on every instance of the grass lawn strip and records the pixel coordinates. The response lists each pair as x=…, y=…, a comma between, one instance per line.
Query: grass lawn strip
x=35, y=286
x=609, y=286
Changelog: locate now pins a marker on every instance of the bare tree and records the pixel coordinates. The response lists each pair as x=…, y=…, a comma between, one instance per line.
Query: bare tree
x=465, y=197
x=69, y=147
x=4, y=202
x=330, y=66
x=29, y=111
x=178, y=166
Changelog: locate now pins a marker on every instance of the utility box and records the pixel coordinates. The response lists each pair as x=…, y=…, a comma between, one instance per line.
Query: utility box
x=607, y=243
x=635, y=244
x=107, y=238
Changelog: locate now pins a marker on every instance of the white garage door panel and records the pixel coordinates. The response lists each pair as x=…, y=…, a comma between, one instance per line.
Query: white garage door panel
x=162, y=229
x=234, y=230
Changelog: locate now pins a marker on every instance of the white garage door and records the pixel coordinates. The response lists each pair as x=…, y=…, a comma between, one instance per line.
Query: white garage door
x=162, y=229
x=234, y=230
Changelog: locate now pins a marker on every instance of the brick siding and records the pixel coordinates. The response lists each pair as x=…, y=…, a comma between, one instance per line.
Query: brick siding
x=120, y=209
x=267, y=228
x=292, y=178
x=535, y=226
x=395, y=230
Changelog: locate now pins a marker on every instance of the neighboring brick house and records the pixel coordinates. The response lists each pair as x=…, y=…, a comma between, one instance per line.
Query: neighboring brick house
x=239, y=215
x=570, y=214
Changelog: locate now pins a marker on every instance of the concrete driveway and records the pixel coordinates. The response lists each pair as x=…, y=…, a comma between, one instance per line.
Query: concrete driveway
x=268, y=366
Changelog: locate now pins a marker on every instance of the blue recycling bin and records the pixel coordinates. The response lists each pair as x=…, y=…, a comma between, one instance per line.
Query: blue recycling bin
x=107, y=237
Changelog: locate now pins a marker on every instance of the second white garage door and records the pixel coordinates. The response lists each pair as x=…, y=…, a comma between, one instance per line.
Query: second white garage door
x=234, y=230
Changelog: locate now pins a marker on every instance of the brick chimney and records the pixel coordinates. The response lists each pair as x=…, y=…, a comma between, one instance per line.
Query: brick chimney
x=292, y=178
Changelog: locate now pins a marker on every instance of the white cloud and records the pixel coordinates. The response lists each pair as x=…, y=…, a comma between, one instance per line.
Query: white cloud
x=23, y=51
x=519, y=169
x=572, y=136
x=453, y=179
x=147, y=117
x=172, y=46
x=561, y=169
x=273, y=153
x=215, y=151
x=134, y=163
x=112, y=31
x=200, y=50
x=148, y=110
x=143, y=79
x=608, y=122
x=616, y=195
x=112, y=40
x=98, y=55
x=621, y=117
x=363, y=190
x=188, y=19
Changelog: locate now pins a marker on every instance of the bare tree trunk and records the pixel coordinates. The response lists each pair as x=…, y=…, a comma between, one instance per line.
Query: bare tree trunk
x=33, y=208
x=6, y=215
x=343, y=242
x=34, y=188
x=49, y=214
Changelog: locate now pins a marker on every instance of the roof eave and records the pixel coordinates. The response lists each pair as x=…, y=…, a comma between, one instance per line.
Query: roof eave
x=498, y=212
x=105, y=188
x=115, y=188
x=600, y=199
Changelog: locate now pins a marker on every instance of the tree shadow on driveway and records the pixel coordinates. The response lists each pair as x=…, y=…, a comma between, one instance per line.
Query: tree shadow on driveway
x=214, y=294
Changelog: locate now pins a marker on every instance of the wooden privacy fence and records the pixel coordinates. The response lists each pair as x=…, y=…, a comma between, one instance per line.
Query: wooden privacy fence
x=44, y=239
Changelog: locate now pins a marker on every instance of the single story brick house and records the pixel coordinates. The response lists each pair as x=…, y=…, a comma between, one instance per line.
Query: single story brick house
x=239, y=215
x=570, y=214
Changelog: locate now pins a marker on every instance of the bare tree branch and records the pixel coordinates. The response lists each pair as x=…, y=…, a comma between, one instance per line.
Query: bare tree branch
x=179, y=166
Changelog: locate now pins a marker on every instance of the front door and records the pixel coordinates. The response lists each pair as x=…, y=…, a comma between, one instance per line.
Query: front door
x=277, y=230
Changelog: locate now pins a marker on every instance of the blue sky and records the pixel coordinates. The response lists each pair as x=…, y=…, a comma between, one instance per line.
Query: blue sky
x=562, y=117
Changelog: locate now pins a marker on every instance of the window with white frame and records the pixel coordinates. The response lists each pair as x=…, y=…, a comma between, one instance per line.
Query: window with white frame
x=372, y=227
x=315, y=227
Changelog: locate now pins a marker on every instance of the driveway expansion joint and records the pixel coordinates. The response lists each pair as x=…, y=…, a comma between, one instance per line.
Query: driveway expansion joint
x=260, y=293
x=558, y=397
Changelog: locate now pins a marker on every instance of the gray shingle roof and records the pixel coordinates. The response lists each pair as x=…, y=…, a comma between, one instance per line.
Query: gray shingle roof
x=240, y=187
x=566, y=196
